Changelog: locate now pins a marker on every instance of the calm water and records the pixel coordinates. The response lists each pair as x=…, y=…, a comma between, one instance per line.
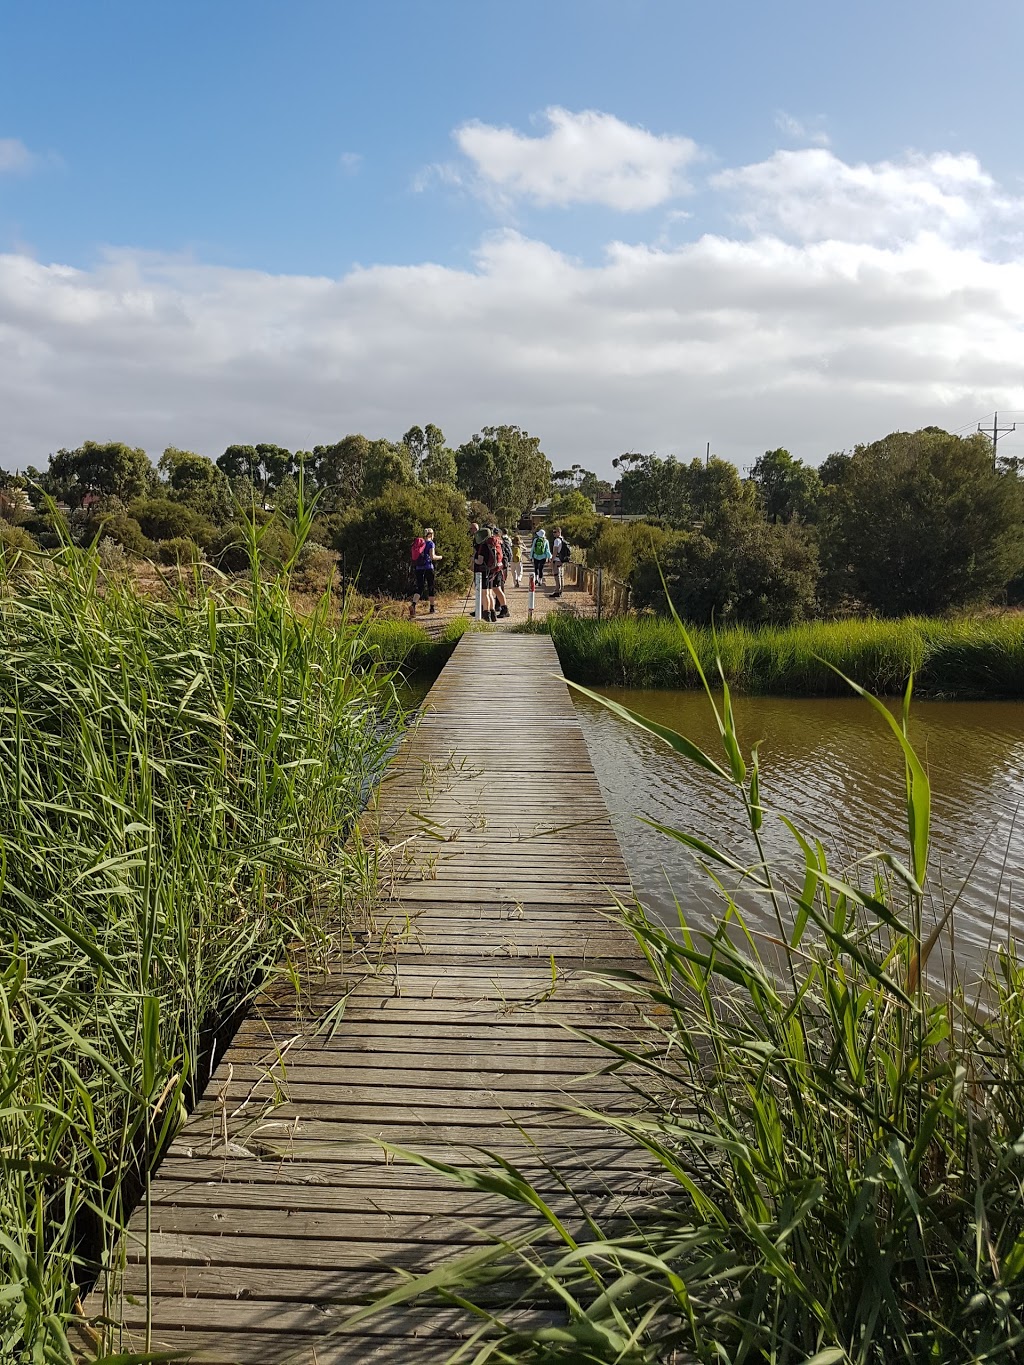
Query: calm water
x=835, y=769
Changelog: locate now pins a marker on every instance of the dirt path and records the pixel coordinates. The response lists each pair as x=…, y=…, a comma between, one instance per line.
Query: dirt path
x=573, y=599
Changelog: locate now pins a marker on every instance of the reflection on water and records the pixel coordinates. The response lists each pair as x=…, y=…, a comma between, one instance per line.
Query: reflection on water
x=835, y=769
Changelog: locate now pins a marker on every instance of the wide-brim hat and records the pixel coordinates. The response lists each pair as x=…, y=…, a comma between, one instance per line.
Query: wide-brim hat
x=481, y=536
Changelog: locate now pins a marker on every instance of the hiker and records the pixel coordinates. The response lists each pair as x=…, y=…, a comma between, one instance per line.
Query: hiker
x=424, y=557
x=498, y=542
x=540, y=553
x=517, y=559
x=484, y=563
x=560, y=552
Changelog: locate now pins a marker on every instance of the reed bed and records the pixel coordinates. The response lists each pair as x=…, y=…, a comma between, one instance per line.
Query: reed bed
x=834, y=1155
x=972, y=658
x=178, y=783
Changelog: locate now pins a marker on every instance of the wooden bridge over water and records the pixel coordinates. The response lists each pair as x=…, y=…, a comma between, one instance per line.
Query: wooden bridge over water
x=277, y=1210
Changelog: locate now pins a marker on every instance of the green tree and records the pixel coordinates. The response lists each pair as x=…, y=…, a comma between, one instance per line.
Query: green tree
x=196, y=482
x=338, y=470
x=570, y=504
x=787, y=488
x=100, y=470
x=164, y=518
x=377, y=537
x=924, y=523
x=505, y=468
x=439, y=466
x=387, y=463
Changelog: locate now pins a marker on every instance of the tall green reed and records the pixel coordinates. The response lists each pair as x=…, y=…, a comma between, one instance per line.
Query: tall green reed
x=177, y=782
x=835, y=1151
x=969, y=658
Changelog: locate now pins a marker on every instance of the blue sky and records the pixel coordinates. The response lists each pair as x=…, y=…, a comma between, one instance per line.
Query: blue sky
x=176, y=179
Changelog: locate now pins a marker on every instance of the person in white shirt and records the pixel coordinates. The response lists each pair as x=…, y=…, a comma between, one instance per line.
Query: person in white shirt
x=559, y=554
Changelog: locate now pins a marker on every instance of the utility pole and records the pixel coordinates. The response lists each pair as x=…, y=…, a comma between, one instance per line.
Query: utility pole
x=995, y=434
x=707, y=456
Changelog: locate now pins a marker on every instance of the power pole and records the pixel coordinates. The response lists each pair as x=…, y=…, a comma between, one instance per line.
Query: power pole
x=707, y=456
x=995, y=434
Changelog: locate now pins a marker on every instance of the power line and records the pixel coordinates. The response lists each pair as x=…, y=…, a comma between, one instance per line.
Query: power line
x=996, y=433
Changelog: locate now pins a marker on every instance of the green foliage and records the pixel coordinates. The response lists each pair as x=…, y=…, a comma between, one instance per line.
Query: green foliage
x=965, y=659
x=570, y=504
x=197, y=483
x=231, y=547
x=621, y=545
x=100, y=470
x=376, y=540
x=787, y=489
x=177, y=785
x=16, y=545
x=581, y=532
x=177, y=550
x=118, y=527
x=164, y=519
x=921, y=522
x=505, y=468
x=760, y=574
x=835, y=1151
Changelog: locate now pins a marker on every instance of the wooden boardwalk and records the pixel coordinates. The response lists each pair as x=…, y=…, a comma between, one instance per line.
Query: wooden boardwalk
x=277, y=1209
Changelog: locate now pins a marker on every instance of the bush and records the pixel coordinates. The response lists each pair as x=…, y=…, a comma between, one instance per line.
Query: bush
x=376, y=540
x=228, y=547
x=177, y=550
x=15, y=544
x=620, y=546
x=581, y=532
x=162, y=519
x=119, y=528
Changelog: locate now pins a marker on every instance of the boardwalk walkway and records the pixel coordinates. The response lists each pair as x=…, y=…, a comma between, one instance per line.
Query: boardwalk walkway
x=277, y=1209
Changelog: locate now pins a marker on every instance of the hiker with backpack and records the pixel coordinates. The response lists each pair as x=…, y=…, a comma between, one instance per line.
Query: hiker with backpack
x=499, y=542
x=560, y=552
x=540, y=553
x=424, y=556
x=485, y=563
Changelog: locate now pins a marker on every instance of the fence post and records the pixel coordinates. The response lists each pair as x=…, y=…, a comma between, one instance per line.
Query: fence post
x=600, y=584
x=533, y=591
x=479, y=580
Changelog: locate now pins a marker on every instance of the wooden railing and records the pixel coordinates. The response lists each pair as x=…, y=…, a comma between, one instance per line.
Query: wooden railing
x=610, y=595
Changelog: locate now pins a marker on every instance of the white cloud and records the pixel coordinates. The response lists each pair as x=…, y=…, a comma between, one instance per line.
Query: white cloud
x=812, y=195
x=800, y=131
x=751, y=343
x=350, y=162
x=14, y=155
x=584, y=158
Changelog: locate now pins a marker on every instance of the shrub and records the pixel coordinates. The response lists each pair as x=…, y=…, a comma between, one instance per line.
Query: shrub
x=228, y=547
x=121, y=529
x=376, y=541
x=177, y=550
x=620, y=546
x=15, y=545
x=162, y=519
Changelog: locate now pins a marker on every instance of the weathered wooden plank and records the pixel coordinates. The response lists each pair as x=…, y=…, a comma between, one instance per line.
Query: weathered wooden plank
x=444, y=1033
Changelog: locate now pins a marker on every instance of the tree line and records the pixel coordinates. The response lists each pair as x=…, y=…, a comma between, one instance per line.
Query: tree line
x=372, y=496
x=918, y=522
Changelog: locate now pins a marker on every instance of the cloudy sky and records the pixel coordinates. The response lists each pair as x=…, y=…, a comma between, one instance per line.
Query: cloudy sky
x=623, y=224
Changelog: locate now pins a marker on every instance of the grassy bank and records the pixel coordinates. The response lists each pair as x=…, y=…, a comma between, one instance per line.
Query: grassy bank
x=831, y=1153
x=405, y=645
x=962, y=658
x=177, y=785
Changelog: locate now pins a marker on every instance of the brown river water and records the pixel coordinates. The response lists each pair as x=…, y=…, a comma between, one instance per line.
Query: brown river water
x=832, y=766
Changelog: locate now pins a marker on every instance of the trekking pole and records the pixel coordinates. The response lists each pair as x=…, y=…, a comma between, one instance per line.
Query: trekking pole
x=533, y=598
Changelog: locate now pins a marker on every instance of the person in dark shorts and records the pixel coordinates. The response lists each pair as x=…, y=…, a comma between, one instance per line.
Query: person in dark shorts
x=425, y=572
x=483, y=564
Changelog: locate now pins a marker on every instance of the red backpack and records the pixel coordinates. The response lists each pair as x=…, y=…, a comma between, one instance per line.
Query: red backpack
x=492, y=554
x=418, y=546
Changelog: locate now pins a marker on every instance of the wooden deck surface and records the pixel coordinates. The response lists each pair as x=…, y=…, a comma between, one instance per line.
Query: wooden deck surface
x=277, y=1209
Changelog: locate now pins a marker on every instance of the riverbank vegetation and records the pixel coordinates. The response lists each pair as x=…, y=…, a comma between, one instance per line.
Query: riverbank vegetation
x=918, y=523
x=178, y=782
x=832, y=1149
x=968, y=658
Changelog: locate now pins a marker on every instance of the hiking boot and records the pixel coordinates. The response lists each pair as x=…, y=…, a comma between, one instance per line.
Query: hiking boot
x=431, y=608
x=504, y=612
